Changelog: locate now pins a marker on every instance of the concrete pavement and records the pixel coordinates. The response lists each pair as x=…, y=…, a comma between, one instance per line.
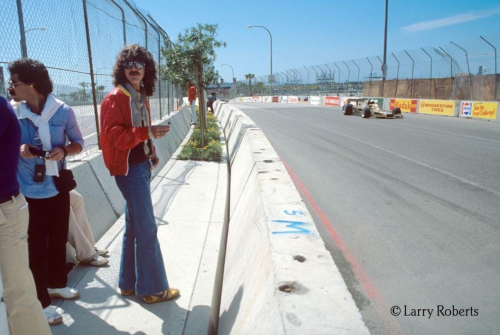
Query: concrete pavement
x=189, y=199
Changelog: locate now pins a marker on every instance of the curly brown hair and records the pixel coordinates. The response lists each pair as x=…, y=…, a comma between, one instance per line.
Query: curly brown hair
x=31, y=71
x=135, y=52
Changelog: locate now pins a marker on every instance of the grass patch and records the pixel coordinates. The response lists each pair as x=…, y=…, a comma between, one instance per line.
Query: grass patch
x=193, y=150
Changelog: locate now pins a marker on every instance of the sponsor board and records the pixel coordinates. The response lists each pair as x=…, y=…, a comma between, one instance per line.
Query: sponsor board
x=303, y=100
x=406, y=105
x=276, y=99
x=293, y=99
x=332, y=101
x=261, y=99
x=437, y=107
x=240, y=99
x=314, y=100
x=268, y=99
x=484, y=110
x=247, y=99
x=284, y=99
x=255, y=98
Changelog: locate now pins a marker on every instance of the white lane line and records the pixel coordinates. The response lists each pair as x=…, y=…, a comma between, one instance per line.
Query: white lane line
x=449, y=174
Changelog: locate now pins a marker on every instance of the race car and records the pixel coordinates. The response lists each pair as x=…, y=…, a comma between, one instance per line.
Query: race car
x=367, y=108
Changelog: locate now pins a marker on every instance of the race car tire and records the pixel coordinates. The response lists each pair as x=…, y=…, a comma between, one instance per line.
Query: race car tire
x=396, y=110
x=366, y=113
x=348, y=109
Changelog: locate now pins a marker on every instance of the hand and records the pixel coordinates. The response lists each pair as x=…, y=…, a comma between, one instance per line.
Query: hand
x=160, y=131
x=155, y=160
x=25, y=151
x=55, y=154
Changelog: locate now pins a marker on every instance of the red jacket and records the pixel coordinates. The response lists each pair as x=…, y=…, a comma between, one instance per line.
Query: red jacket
x=192, y=93
x=118, y=136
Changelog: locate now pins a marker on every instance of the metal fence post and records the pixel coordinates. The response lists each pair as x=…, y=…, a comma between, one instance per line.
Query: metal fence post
x=339, y=71
x=496, y=81
x=397, y=76
x=371, y=73
x=24, y=49
x=348, y=75
x=307, y=74
x=357, y=83
x=123, y=22
x=412, y=69
x=468, y=70
x=91, y=66
x=430, y=80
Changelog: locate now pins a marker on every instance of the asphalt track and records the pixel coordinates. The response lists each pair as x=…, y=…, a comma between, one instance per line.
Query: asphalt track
x=409, y=209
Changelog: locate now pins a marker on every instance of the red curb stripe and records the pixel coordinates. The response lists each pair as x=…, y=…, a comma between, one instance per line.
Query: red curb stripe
x=380, y=306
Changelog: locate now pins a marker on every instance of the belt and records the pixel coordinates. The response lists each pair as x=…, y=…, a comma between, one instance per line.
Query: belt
x=7, y=199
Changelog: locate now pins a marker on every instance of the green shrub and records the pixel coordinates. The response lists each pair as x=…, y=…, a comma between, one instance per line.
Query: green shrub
x=212, y=150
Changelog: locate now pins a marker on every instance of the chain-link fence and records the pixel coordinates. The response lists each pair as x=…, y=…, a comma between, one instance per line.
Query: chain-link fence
x=78, y=41
x=458, y=70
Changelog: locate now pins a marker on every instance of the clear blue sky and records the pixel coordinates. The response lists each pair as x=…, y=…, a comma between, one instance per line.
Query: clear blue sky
x=312, y=32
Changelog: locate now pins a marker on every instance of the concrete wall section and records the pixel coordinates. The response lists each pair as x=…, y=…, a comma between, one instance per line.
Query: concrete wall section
x=278, y=276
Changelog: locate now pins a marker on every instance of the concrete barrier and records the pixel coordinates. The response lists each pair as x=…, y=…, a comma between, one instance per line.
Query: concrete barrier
x=278, y=276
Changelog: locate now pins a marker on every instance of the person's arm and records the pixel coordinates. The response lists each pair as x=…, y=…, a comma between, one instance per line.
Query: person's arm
x=75, y=137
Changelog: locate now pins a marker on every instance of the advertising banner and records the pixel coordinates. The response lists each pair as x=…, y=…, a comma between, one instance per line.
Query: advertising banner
x=314, y=100
x=293, y=99
x=332, y=101
x=303, y=100
x=240, y=99
x=437, y=107
x=406, y=105
x=247, y=99
x=484, y=110
x=276, y=99
x=284, y=99
x=268, y=99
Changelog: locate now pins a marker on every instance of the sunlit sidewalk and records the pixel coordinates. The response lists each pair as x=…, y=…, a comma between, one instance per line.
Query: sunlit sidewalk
x=189, y=200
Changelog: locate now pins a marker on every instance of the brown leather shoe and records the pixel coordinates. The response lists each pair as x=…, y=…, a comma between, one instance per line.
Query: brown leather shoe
x=126, y=293
x=168, y=294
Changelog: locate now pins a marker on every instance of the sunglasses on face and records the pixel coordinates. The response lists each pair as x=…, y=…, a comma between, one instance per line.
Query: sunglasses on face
x=130, y=64
x=14, y=85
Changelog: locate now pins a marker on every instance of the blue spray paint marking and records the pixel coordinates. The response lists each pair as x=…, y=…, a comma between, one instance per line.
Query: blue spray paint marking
x=292, y=224
x=301, y=213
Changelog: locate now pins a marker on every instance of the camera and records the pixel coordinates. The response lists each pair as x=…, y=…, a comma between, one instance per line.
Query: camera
x=39, y=153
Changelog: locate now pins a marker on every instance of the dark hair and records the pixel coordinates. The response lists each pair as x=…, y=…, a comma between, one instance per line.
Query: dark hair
x=31, y=71
x=134, y=52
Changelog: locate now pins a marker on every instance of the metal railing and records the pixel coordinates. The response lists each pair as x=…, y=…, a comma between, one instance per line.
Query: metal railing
x=78, y=41
x=466, y=70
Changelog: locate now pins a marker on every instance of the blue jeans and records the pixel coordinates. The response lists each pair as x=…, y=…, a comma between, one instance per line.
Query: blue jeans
x=141, y=265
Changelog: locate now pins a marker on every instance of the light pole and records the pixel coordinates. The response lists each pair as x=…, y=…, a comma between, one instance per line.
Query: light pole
x=384, y=63
x=24, y=49
x=271, y=79
x=231, y=70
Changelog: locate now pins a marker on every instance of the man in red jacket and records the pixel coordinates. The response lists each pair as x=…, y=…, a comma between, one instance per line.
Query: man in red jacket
x=192, y=100
x=130, y=156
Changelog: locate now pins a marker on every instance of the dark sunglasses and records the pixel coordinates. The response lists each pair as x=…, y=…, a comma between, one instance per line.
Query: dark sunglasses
x=130, y=64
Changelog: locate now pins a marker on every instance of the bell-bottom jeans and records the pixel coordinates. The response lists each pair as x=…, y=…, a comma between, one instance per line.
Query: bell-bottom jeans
x=141, y=265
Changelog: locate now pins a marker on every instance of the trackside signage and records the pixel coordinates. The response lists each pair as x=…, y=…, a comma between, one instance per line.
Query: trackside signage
x=406, y=105
x=276, y=99
x=437, y=107
x=484, y=110
x=293, y=99
x=303, y=100
x=314, y=100
x=332, y=101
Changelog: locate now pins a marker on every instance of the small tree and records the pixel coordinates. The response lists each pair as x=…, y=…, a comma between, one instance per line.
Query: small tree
x=101, y=88
x=193, y=56
x=250, y=76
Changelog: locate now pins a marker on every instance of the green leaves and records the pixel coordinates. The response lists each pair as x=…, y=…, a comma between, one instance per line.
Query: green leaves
x=194, y=44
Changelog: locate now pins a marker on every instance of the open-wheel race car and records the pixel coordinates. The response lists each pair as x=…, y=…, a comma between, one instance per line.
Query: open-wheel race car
x=367, y=108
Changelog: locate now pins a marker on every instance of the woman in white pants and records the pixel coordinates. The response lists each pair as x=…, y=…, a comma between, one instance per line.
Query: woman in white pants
x=80, y=235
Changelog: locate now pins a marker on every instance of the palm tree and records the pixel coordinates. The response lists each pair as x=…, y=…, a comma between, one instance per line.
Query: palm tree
x=100, y=88
x=250, y=76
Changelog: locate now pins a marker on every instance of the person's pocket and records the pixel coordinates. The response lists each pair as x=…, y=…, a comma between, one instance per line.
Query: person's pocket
x=23, y=220
x=2, y=217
